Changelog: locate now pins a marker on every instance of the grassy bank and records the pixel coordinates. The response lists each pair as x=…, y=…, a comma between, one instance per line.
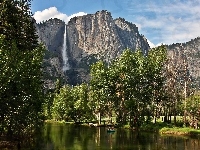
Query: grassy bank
x=179, y=131
x=164, y=128
x=150, y=127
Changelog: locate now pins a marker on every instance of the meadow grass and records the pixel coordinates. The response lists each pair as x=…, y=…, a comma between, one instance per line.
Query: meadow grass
x=179, y=131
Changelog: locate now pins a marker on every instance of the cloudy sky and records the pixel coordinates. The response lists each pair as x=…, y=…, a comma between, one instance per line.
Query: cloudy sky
x=160, y=21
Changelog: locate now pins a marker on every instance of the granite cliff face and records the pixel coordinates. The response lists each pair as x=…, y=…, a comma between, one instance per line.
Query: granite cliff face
x=98, y=34
x=89, y=38
x=189, y=52
x=51, y=35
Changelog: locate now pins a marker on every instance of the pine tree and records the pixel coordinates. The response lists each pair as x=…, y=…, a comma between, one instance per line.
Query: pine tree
x=21, y=88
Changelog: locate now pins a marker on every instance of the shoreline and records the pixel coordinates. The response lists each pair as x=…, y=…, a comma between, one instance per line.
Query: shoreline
x=160, y=128
x=180, y=131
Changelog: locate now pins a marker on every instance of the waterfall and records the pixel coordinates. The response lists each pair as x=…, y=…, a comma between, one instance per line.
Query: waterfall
x=64, y=53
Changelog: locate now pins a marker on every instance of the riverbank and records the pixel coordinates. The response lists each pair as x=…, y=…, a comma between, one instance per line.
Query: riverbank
x=166, y=129
x=180, y=131
x=159, y=127
x=163, y=128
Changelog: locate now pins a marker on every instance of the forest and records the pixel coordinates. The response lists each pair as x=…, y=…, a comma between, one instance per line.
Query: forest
x=133, y=89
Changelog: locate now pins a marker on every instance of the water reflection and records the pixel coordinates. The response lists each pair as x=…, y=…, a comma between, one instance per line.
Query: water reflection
x=71, y=137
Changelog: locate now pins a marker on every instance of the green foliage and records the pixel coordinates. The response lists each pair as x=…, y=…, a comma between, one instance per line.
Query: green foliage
x=193, y=109
x=71, y=103
x=153, y=89
x=154, y=127
x=133, y=88
x=63, y=104
x=17, y=24
x=21, y=89
x=81, y=103
x=130, y=85
x=98, y=82
x=21, y=95
x=193, y=105
x=47, y=106
x=179, y=131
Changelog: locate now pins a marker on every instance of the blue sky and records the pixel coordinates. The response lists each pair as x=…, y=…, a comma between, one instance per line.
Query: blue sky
x=160, y=21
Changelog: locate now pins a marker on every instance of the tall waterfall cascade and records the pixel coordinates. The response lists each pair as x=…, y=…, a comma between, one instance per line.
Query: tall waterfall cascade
x=64, y=53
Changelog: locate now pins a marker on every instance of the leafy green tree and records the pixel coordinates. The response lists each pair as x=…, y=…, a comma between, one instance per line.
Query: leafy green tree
x=21, y=95
x=63, y=104
x=48, y=104
x=155, y=79
x=127, y=74
x=17, y=24
x=121, y=70
x=193, y=109
x=173, y=88
x=98, y=95
x=50, y=94
x=21, y=88
x=82, y=109
x=137, y=101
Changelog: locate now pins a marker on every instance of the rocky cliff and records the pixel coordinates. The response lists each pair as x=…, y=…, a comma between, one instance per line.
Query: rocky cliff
x=51, y=35
x=98, y=34
x=88, y=38
x=190, y=53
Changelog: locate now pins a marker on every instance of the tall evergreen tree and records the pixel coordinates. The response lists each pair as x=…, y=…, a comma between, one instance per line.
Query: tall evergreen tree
x=21, y=92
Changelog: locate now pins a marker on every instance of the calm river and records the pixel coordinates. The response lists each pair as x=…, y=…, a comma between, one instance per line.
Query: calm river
x=70, y=137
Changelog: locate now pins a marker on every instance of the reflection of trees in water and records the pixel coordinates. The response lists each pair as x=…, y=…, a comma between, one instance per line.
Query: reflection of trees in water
x=47, y=136
x=177, y=142
x=84, y=135
x=59, y=136
x=81, y=137
x=69, y=136
x=127, y=138
x=61, y=133
x=132, y=139
x=122, y=138
x=97, y=137
x=111, y=139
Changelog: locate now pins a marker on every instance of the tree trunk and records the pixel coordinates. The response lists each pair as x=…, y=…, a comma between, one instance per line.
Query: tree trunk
x=99, y=116
x=185, y=111
x=185, y=119
x=174, y=119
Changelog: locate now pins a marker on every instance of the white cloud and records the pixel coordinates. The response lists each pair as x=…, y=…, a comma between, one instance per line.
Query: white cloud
x=168, y=21
x=139, y=26
x=153, y=45
x=77, y=14
x=52, y=12
x=144, y=22
x=49, y=13
x=150, y=44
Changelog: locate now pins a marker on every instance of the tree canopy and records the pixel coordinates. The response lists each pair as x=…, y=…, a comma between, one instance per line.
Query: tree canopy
x=21, y=88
